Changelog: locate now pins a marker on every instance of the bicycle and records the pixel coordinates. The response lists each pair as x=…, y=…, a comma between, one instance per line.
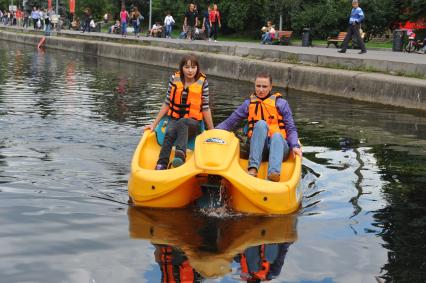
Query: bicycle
x=413, y=45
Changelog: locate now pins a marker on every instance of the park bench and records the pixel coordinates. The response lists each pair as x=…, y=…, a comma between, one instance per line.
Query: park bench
x=336, y=40
x=282, y=37
x=340, y=37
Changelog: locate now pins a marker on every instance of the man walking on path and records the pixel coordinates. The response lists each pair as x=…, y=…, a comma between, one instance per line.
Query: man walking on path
x=191, y=21
x=357, y=16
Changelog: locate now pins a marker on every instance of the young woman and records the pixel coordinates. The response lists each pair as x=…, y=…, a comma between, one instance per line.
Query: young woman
x=186, y=105
x=215, y=22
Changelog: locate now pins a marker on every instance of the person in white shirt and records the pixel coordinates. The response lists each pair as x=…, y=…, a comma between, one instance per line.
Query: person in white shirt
x=156, y=30
x=168, y=23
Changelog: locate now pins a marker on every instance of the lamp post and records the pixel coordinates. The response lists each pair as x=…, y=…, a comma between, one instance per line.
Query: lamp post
x=57, y=7
x=150, y=14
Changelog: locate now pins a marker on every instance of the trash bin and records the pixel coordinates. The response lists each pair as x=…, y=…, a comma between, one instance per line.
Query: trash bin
x=306, y=37
x=398, y=40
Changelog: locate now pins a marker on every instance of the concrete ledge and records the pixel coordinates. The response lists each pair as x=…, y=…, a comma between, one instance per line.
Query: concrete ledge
x=371, y=87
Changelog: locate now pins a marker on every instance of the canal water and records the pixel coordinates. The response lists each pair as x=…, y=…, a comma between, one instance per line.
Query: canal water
x=69, y=126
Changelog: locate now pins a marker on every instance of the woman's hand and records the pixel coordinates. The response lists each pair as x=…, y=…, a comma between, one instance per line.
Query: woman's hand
x=297, y=151
x=149, y=127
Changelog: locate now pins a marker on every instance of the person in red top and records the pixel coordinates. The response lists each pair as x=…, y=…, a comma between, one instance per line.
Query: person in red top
x=19, y=17
x=215, y=22
x=124, y=15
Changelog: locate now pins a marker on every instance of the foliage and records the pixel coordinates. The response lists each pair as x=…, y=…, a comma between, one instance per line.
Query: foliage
x=246, y=17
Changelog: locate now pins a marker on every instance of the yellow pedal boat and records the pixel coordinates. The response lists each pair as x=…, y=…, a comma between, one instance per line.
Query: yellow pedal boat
x=216, y=152
x=227, y=237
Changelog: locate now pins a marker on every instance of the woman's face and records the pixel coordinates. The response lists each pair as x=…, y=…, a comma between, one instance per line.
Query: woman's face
x=189, y=70
x=262, y=87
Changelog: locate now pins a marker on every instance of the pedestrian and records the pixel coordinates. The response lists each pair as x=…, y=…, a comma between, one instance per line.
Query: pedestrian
x=206, y=22
x=124, y=15
x=35, y=16
x=168, y=23
x=186, y=105
x=215, y=22
x=26, y=19
x=191, y=21
x=135, y=16
x=47, y=22
x=19, y=17
x=355, y=20
x=271, y=127
x=87, y=18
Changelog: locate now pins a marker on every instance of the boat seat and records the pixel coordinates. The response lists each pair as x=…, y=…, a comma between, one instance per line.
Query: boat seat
x=161, y=128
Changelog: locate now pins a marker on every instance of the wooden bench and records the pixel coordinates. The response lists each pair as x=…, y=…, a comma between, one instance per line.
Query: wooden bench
x=339, y=39
x=336, y=40
x=282, y=37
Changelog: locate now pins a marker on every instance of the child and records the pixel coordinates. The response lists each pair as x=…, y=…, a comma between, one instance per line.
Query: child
x=168, y=23
x=186, y=104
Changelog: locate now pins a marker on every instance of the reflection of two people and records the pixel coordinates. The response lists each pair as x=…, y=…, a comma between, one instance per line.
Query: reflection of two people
x=191, y=247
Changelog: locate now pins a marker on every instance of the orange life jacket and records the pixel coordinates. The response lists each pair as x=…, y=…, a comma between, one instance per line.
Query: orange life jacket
x=266, y=110
x=262, y=273
x=175, y=273
x=189, y=107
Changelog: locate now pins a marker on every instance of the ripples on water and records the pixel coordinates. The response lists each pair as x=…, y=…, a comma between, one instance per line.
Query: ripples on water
x=70, y=124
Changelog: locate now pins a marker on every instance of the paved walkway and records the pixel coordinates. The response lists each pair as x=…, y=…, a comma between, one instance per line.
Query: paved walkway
x=374, y=60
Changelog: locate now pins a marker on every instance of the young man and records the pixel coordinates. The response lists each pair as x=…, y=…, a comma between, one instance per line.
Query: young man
x=271, y=127
x=356, y=18
x=191, y=21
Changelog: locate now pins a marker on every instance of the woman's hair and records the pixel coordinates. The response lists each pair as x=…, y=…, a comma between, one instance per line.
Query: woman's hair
x=264, y=75
x=194, y=61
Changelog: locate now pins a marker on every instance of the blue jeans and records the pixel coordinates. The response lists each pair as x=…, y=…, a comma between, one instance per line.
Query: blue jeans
x=276, y=146
x=123, y=28
x=135, y=27
x=266, y=38
x=169, y=30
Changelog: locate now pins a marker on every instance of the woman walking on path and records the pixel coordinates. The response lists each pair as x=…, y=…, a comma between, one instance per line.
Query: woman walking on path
x=215, y=22
x=124, y=15
x=136, y=21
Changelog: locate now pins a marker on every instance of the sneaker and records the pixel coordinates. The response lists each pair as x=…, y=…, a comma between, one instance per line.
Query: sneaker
x=252, y=172
x=179, y=159
x=342, y=51
x=215, y=40
x=274, y=177
x=210, y=39
x=161, y=167
x=362, y=52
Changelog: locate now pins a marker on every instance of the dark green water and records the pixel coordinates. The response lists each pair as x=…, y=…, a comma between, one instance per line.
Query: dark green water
x=70, y=124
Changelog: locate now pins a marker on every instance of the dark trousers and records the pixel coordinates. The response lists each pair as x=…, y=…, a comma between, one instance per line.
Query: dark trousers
x=178, y=131
x=214, y=29
x=353, y=30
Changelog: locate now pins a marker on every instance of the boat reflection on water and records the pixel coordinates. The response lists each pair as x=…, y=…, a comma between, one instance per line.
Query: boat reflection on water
x=190, y=246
